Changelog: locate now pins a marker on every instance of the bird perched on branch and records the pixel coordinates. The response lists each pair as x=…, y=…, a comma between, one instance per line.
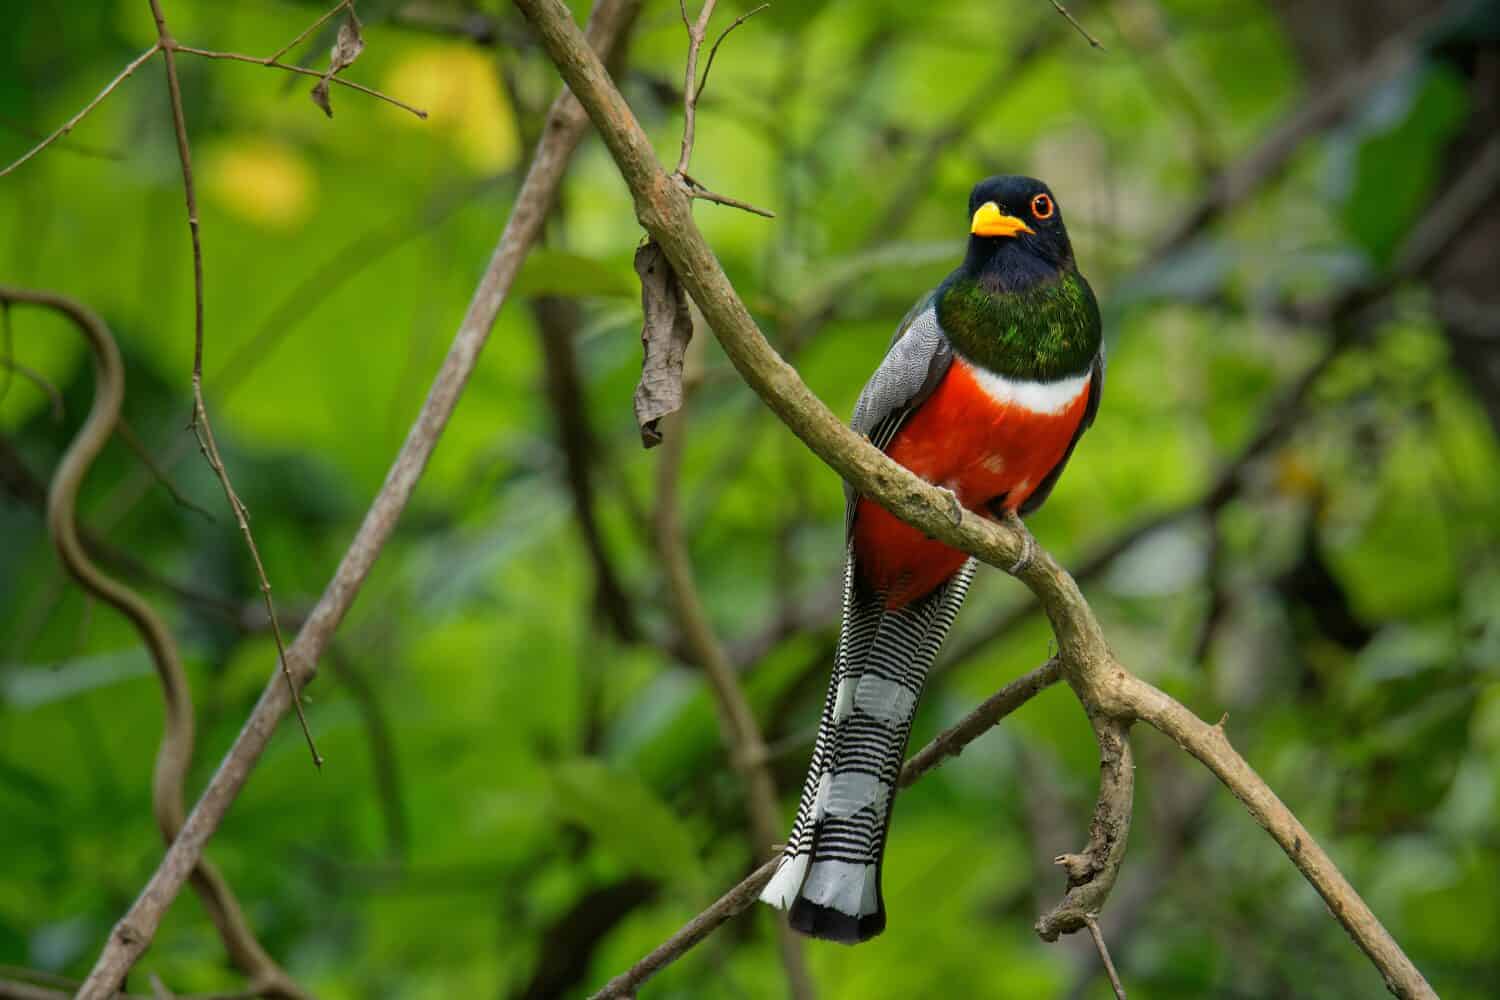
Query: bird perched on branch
x=986, y=388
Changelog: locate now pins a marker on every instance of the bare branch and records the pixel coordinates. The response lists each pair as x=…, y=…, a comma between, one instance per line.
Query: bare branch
x=702, y=193
x=1077, y=27
x=692, y=90
x=566, y=125
x=951, y=742
x=289, y=46
x=696, y=30
x=271, y=63
x=69, y=125
x=708, y=66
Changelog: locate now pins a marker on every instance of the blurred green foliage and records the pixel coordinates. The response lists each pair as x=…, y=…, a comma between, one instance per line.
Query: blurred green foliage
x=507, y=779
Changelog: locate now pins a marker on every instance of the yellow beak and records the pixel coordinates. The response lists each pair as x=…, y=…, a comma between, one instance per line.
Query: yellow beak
x=990, y=221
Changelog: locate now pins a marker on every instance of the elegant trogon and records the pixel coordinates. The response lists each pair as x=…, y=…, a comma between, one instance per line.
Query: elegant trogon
x=985, y=390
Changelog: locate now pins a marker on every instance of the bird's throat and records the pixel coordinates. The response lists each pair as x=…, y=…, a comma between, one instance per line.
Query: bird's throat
x=1042, y=329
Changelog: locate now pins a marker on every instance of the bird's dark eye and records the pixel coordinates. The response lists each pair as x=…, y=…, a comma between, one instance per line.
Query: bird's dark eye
x=1042, y=207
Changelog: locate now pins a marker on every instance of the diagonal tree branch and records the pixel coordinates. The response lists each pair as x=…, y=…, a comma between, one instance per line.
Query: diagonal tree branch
x=1102, y=684
x=565, y=128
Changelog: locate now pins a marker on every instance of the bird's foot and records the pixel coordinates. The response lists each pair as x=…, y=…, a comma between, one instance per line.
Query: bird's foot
x=1028, y=544
x=955, y=509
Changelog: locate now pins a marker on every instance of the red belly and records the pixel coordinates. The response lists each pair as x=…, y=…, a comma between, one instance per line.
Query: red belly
x=982, y=450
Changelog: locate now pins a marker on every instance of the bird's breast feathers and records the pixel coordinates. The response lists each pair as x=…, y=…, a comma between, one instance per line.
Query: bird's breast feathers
x=992, y=440
x=983, y=434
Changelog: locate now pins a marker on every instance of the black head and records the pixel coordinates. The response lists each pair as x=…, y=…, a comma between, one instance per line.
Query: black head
x=1016, y=228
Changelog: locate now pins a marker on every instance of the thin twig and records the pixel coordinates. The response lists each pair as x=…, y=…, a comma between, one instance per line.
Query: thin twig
x=951, y=741
x=199, y=422
x=54, y=396
x=68, y=125
x=702, y=193
x=566, y=125
x=271, y=63
x=696, y=33
x=1078, y=27
x=319, y=283
x=714, y=51
x=692, y=90
x=276, y=56
x=1109, y=965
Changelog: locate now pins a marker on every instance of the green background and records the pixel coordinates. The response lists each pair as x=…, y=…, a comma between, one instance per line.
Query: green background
x=510, y=783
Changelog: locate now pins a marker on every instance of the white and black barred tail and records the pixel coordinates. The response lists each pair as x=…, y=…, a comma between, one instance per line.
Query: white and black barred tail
x=829, y=876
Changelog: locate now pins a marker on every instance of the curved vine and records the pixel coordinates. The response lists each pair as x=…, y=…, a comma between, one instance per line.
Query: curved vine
x=175, y=754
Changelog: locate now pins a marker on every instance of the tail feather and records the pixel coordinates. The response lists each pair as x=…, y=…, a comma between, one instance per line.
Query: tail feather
x=829, y=877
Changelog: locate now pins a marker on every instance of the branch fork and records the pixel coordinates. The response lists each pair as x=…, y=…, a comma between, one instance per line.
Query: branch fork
x=692, y=91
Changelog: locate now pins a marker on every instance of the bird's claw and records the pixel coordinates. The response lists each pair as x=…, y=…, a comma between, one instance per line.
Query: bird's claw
x=1028, y=544
x=955, y=508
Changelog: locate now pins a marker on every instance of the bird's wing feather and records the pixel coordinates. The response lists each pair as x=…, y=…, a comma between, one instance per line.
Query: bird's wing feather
x=916, y=362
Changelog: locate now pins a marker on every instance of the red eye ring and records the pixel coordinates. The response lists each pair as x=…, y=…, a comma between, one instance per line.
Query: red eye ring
x=1042, y=207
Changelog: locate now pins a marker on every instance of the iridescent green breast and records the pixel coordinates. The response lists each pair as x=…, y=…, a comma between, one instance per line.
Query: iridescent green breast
x=1044, y=332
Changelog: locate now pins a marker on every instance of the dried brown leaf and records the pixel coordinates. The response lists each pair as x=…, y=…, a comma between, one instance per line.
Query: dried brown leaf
x=346, y=48
x=665, y=331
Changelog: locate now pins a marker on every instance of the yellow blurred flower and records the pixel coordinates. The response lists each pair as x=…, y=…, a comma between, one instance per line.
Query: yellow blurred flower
x=464, y=98
x=262, y=180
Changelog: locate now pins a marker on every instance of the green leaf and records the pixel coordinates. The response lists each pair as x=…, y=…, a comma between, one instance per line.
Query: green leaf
x=1400, y=144
x=629, y=820
x=31, y=686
